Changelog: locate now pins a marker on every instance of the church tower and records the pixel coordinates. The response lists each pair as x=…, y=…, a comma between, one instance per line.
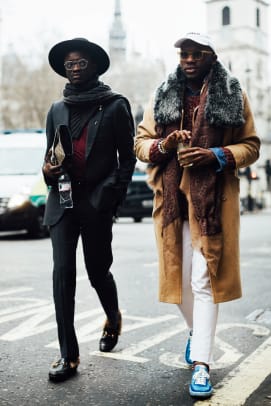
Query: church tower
x=240, y=31
x=117, y=37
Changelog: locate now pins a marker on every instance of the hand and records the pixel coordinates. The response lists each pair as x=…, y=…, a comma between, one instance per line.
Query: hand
x=184, y=136
x=49, y=170
x=196, y=156
x=172, y=140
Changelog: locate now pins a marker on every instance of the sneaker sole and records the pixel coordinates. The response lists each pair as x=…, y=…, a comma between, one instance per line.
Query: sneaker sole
x=200, y=394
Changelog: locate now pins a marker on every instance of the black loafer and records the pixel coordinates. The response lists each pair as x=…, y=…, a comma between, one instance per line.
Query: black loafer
x=110, y=336
x=62, y=370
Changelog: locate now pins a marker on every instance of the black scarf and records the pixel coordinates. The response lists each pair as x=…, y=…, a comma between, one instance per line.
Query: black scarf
x=83, y=100
x=92, y=92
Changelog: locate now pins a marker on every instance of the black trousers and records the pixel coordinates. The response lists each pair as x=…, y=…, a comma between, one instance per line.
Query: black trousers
x=96, y=233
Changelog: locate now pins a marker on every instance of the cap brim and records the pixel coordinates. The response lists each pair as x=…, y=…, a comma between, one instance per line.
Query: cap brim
x=196, y=40
x=179, y=43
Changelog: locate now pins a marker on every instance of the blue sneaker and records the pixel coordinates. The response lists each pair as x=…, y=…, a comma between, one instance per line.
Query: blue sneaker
x=200, y=384
x=187, y=358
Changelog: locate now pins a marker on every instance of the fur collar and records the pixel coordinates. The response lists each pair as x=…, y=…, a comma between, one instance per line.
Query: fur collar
x=224, y=106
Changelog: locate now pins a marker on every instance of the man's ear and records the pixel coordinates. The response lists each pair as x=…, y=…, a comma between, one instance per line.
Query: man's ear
x=95, y=69
x=214, y=58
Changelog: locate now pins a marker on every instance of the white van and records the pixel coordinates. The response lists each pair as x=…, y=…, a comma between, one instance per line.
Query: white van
x=23, y=192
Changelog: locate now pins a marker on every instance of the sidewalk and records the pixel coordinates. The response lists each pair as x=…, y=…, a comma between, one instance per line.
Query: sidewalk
x=262, y=396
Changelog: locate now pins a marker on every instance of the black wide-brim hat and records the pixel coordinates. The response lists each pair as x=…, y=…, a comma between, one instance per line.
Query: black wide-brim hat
x=59, y=51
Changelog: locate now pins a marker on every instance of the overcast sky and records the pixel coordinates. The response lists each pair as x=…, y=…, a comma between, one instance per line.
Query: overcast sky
x=152, y=26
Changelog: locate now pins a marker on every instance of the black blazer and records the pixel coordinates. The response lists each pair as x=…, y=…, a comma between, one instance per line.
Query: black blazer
x=110, y=155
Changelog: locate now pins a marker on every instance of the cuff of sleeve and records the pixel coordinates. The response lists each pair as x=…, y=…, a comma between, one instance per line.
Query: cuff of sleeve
x=224, y=158
x=231, y=164
x=156, y=155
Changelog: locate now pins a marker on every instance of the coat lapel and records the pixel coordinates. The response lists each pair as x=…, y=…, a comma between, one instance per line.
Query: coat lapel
x=60, y=113
x=93, y=126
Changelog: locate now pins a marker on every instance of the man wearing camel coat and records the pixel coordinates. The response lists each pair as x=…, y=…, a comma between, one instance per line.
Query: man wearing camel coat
x=196, y=133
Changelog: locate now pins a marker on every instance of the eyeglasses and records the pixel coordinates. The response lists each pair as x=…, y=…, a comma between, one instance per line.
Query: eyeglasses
x=196, y=55
x=82, y=63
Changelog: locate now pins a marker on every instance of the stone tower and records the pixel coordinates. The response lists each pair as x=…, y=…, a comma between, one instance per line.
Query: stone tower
x=117, y=37
x=240, y=31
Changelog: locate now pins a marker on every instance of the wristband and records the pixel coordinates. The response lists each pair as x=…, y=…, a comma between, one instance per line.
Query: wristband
x=161, y=148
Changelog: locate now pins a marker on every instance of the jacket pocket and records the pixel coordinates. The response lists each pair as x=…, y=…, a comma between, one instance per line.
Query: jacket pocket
x=104, y=196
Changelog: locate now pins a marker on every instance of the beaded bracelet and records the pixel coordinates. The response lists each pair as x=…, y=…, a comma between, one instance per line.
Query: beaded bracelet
x=161, y=148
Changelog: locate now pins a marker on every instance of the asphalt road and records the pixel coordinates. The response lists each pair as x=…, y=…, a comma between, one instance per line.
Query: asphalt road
x=146, y=368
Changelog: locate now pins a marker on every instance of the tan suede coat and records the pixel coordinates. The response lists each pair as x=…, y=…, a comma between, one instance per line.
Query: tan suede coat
x=224, y=268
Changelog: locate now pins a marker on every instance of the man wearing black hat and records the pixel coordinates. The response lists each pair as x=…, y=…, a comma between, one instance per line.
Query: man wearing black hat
x=197, y=132
x=98, y=124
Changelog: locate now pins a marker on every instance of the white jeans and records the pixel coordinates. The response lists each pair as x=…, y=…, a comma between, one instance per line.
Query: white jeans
x=198, y=309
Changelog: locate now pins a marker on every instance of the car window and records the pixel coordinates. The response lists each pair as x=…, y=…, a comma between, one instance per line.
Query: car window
x=136, y=188
x=20, y=161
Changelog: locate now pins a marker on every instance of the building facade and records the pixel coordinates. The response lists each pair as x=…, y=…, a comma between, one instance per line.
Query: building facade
x=240, y=29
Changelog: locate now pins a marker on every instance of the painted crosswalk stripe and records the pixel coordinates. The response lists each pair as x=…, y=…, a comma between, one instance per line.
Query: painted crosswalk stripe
x=13, y=291
x=242, y=381
x=130, y=354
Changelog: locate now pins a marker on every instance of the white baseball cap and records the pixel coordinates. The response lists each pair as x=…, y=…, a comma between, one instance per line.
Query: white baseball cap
x=199, y=38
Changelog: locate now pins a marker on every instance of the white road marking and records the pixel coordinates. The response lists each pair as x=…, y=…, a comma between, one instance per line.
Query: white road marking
x=12, y=291
x=229, y=357
x=81, y=278
x=139, y=322
x=257, y=330
x=233, y=390
x=260, y=316
x=253, y=316
x=32, y=325
x=230, y=354
x=18, y=308
x=83, y=333
x=25, y=313
x=243, y=380
x=129, y=354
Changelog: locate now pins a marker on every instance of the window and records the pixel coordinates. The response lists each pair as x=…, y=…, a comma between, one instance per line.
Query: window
x=226, y=16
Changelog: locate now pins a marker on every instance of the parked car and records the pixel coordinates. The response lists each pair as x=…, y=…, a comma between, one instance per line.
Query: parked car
x=23, y=192
x=139, y=199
